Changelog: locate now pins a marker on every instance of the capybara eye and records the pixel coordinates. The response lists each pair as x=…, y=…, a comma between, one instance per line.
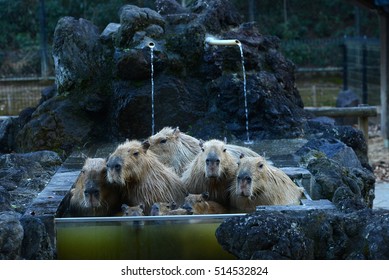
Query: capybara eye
x=136, y=154
x=224, y=150
x=163, y=141
x=202, y=149
x=260, y=165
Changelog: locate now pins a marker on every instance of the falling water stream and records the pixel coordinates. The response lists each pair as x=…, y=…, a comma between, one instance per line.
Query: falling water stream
x=214, y=41
x=151, y=46
x=248, y=141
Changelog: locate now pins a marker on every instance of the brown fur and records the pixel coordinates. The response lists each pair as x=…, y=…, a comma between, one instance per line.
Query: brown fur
x=259, y=183
x=174, y=148
x=93, y=195
x=144, y=178
x=166, y=208
x=199, y=204
x=212, y=177
x=177, y=149
x=132, y=210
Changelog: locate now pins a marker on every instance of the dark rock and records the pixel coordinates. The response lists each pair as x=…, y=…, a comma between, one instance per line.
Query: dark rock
x=134, y=19
x=77, y=53
x=11, y=236
x=7, y=128
x=333, y=149
x=48, y=93
x=5, y=199
x=57, y=124
x=36, y=242
x=25, y=175
x=313, y=234
x=132, y=107
x=169, y=7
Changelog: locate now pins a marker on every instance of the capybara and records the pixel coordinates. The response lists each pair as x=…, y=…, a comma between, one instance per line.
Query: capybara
x=167, y=208
x=93, y=195
x=213, y=170
x=258, y=183
x=136, y=210
x=199, y=204
x=177, y=149
x=144, y=178
x=174, y=148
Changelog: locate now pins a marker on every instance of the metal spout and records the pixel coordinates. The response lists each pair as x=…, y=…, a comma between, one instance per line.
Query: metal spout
x=151, y=45
x=218, y=42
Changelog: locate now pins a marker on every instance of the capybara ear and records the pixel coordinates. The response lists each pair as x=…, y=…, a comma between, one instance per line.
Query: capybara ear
x=201, y=144
x=127, y=140
x=225, y=140
x=205, y=195
x=124, y=207
x=145, y=145
x=241, y=155
x=176, y=131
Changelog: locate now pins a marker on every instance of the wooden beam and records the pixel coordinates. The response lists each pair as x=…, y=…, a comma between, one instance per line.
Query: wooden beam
x=384, y=71
x=363, y=113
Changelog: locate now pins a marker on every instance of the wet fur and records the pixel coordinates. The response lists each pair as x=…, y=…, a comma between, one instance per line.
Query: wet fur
x=195, y=180
x=177, y=149
x=144, y=178
x=132, y=210
x=199, y=204
x=269, y=186
x=105, y=201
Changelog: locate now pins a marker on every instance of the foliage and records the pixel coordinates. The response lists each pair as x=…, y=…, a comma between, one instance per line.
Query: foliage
x=20, y=21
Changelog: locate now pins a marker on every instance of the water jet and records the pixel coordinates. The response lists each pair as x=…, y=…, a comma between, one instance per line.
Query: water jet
x=151, y=45
x=235, y=42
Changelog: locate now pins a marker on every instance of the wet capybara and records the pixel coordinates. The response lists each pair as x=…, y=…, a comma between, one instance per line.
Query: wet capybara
x=136, y=210
x=143, y=177
x=166, y=208
x=199, y=204
x=259, y=183
x=174, y=148
x=177, y=149
x=213, y=170
x=93, y=195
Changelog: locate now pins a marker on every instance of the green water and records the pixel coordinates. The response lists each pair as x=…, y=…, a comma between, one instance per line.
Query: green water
x=131, y=240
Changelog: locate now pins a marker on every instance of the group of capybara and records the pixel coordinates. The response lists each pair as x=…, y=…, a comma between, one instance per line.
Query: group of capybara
x=172, y=173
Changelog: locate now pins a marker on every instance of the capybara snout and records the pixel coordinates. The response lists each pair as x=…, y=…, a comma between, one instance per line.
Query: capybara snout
x=244, y=184
x=114, y=168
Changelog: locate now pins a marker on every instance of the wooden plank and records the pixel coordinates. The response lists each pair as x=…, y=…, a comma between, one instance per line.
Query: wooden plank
x=363, y=111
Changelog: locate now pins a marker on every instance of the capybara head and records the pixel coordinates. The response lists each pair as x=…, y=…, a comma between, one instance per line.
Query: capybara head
x=213, y=156
x=92, y=191
x=249, y=170
x=162, y=208
x=196, y=203
x=132, y=210
x=127, y=163
x=174, y=148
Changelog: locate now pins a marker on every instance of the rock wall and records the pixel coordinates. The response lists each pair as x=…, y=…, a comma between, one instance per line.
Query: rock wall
x=104, y=87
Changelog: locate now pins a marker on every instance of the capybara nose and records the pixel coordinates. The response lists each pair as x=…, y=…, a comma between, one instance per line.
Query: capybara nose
x=188, y=208
x=91, y=191
x=212, y=159
x=115, y=164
